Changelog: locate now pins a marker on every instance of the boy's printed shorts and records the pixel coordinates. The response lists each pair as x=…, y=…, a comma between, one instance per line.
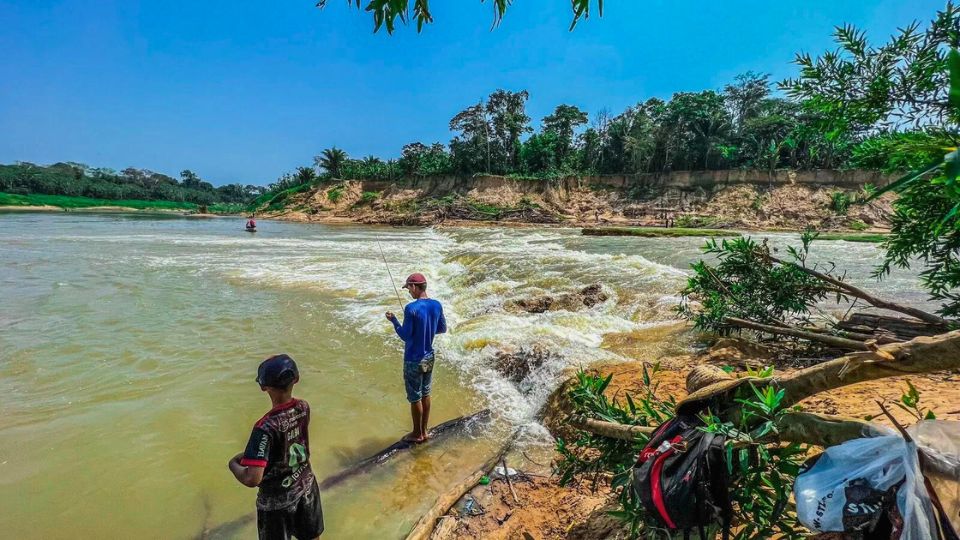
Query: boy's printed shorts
x=416, y=381
x=303, y=520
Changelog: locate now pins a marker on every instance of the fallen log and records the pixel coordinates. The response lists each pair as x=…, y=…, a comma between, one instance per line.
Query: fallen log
x=437, y=433
x=612, y=430
x=425, y=525
x=801, y=427
x=833, y=341
x=875, y=301
x=924, y=354
x=904, y=329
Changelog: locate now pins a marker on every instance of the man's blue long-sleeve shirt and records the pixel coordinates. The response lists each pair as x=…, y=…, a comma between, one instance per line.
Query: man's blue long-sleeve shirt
x=422, y=320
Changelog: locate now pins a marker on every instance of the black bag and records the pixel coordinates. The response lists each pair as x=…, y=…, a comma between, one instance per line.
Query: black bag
x=681, y=477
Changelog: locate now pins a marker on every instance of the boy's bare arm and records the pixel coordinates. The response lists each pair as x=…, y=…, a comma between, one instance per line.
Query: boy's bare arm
x=248, y=476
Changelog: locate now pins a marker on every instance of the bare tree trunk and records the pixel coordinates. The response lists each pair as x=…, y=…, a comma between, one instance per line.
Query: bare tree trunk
x=801, y=427
x=920, y=355
x=833, y=341
x=864, y=295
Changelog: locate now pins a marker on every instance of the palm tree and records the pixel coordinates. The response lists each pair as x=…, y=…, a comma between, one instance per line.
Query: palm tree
x=331, y=160
x=306, y=175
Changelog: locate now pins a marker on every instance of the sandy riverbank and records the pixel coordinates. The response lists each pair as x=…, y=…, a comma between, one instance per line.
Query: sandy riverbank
x=547, y=510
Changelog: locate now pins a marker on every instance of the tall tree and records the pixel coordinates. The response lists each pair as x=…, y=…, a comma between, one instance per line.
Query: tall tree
x=471, y=147
x=745, y=96
x=331, y=160
x=563, y=122
x=191, y=180
x=508, y=119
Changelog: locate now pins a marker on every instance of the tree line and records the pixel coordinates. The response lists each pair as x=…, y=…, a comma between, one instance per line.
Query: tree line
x=79, y=180
x=848, y=108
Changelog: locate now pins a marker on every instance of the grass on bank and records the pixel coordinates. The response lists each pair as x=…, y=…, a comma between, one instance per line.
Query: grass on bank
x=853, y=237
x=651, y=232
x=73, y=203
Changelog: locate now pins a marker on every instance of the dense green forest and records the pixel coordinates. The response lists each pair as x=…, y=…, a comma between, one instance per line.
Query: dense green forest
x=78, y=180
x=848, y=108
x=858, y=106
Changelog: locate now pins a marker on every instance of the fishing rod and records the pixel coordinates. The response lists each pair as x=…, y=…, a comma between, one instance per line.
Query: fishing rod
x=389, y=273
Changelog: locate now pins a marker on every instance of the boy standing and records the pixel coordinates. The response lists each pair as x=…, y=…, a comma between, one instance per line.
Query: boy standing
x=277, y=459
x=422, y=320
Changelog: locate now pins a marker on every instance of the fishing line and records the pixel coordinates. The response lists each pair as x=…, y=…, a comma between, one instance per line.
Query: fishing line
x=387, y=266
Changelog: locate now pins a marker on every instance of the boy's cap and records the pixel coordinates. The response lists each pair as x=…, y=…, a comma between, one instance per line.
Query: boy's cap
x=415, y=279
x=278, y=371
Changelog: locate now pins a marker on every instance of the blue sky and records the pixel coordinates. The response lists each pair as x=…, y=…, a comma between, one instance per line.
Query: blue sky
x=242, y=91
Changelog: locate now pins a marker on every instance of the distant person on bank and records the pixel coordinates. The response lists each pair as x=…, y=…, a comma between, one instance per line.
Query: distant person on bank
x=422, y=320
x=277, y=459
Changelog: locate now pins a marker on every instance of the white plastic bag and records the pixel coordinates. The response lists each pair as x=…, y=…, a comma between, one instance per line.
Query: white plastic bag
x=849, y=483
x=939, y=440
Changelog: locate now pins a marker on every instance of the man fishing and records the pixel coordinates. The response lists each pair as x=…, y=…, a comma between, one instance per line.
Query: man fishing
x=422, y=320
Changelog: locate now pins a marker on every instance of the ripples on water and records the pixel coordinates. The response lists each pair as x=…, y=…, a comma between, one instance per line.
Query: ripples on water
x=127, y=346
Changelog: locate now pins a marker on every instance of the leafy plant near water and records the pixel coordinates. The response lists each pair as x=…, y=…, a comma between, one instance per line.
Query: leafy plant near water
x=762, y=469
x=590, y=456
x=858, y=225
x=368, y=197
x=746, y=283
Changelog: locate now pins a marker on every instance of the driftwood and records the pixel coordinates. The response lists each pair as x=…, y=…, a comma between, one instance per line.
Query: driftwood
x=875, y=301
x=920, y=355
x=438, y=432
x=876, y=324
x=826, y=339
x=802, y=427
x=425, y=525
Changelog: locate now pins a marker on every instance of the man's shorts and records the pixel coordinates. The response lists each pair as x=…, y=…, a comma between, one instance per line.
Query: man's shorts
x=303, y=520
x=416, y=381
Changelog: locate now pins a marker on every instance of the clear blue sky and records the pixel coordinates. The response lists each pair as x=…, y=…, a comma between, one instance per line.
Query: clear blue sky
x=242, y=91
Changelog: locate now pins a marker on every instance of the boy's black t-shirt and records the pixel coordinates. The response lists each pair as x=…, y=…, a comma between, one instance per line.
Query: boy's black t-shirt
x=279, y=443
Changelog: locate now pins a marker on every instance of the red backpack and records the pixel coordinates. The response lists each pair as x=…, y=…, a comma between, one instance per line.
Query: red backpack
x=681, y=477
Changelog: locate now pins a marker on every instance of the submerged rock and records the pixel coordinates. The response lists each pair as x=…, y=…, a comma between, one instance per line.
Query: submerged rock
x=586, y=297
x=517, y=365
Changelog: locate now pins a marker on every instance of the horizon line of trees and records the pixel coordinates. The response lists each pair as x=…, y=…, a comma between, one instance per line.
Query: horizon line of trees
x=80, y=180
x=747, y=124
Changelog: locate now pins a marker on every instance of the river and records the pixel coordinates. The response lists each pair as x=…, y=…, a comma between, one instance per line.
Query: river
x=129, y=344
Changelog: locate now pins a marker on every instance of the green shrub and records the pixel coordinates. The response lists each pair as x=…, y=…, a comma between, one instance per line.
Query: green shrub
x=858, y=225
x=369, y=196
x=840, y=202
x=696, y=222
x=335, y=194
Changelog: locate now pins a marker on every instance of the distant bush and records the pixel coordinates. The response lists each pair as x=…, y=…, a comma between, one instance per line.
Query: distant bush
x=335, y=194
x=368, y=197
x=840, y=202
x=858, y=225
x=78, y=180
x=696, y=222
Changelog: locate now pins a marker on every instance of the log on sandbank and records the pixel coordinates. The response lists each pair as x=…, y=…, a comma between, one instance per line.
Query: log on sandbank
x=439, y=432
x=921, y=355
x=428, y=521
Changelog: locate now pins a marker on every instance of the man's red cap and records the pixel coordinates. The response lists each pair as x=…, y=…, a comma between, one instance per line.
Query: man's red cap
x=415, y=279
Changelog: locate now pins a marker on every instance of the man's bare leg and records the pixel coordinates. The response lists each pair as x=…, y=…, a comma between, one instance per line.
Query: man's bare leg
x=425, y=417
x=416, y=412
